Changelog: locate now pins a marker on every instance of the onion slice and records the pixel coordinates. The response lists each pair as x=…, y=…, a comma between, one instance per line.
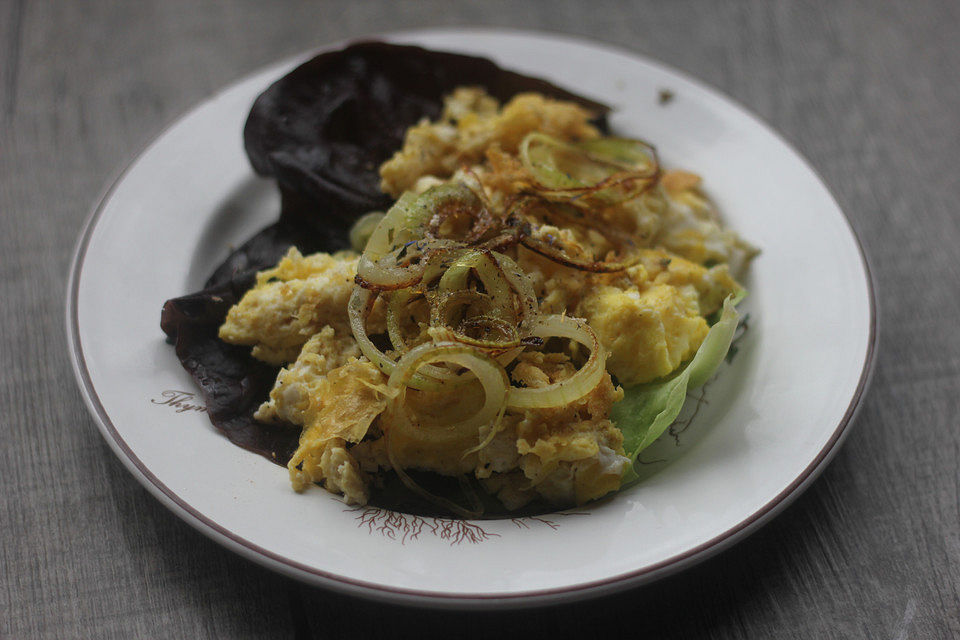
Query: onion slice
x=488, y=372
x=576, y=386
x=608, y=170
x=525, y=212
x=430, y=379
x=363, y=228
x=494, y=382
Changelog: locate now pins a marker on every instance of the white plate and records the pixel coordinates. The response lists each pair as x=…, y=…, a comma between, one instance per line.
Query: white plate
x=771, y=421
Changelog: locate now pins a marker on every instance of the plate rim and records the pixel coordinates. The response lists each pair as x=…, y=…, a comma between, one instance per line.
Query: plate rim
x=401, y=595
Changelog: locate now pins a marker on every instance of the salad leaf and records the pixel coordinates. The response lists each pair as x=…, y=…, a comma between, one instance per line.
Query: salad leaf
x=647, y=410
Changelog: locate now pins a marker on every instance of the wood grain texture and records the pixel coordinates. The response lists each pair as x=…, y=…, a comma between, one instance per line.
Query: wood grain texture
x=868, y=91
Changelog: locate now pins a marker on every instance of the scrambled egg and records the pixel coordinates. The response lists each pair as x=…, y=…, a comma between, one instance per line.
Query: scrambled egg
x=691, y=226
x=648, y=333
x=334, y=409
x=650, y=318
x=573, y=453
x=471, y=123
x=290, y=303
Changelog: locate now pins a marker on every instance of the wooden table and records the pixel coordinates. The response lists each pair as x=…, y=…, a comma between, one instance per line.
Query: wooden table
x=869, y=92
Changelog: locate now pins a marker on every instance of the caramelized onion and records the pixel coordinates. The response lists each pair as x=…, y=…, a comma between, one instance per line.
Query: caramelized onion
x=363, y=228
x=591, y=173
x=579, y=384
x=486, y=370
x=525, y=210
x=494, y=382
x=449, y=200
x=401, y=245
x=358, y=308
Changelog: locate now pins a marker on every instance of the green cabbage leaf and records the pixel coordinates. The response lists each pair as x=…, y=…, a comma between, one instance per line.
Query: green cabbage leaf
x=647, y=410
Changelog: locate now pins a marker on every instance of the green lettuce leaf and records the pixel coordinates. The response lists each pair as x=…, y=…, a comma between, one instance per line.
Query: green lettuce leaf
x=647, y=410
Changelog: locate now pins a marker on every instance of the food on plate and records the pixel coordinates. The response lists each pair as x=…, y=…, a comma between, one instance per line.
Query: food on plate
x=469, y=278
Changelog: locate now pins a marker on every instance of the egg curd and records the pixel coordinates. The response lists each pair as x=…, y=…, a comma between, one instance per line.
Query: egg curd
x=531, y=270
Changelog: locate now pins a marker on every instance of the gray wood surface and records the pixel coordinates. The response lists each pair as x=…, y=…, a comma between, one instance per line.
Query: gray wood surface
x=869, y=92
